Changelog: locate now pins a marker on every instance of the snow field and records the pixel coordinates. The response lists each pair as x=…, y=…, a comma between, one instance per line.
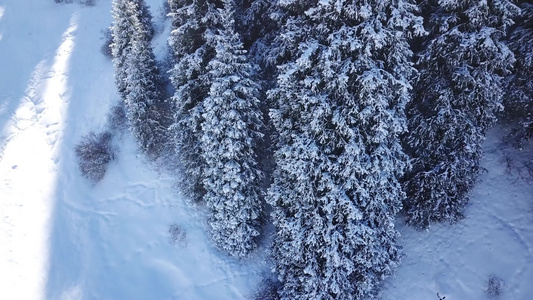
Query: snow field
x=34, y=58
x=495, y=239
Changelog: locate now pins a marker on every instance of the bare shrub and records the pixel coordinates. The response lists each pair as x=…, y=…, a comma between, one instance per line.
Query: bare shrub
x=108, y=40
x=495, y=286
x=177, y=236
x=94, y=153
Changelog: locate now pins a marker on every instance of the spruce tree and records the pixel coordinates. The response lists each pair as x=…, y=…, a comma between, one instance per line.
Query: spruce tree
x=230, y=134
x=339, y=111
x=143, y=96
x=519, y=96
x=121, y=32
x=136, y=74
x=191, y=53
x=258, y=29
x=456, y=99
x=145, y=19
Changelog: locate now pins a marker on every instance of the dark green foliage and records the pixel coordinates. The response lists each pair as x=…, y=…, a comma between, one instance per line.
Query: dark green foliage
x=519, y=96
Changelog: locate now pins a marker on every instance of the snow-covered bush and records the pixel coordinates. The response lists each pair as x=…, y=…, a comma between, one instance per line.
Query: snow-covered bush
x=94, y=153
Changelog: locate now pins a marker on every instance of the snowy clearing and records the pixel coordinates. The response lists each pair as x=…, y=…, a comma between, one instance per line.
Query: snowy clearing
x=495, y=239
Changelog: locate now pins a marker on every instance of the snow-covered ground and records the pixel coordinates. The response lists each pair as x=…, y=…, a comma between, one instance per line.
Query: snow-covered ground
x=494, y=240
x=63, y=238
x=60, y=236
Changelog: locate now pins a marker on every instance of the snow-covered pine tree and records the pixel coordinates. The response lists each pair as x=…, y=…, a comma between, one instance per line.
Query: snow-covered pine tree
x=340, y=100
x=519, y=96
x=191, y=53
x=455, y=100
x=121, y=32
x=231, y=131
x=258, y=29
x=143, y=96
x=145, y=19
x=136, y=74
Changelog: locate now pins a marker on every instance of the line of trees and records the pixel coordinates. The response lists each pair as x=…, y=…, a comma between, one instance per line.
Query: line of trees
x=370, y=108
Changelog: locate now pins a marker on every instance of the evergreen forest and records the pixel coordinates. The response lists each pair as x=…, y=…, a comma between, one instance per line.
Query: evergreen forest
x=325, y=120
